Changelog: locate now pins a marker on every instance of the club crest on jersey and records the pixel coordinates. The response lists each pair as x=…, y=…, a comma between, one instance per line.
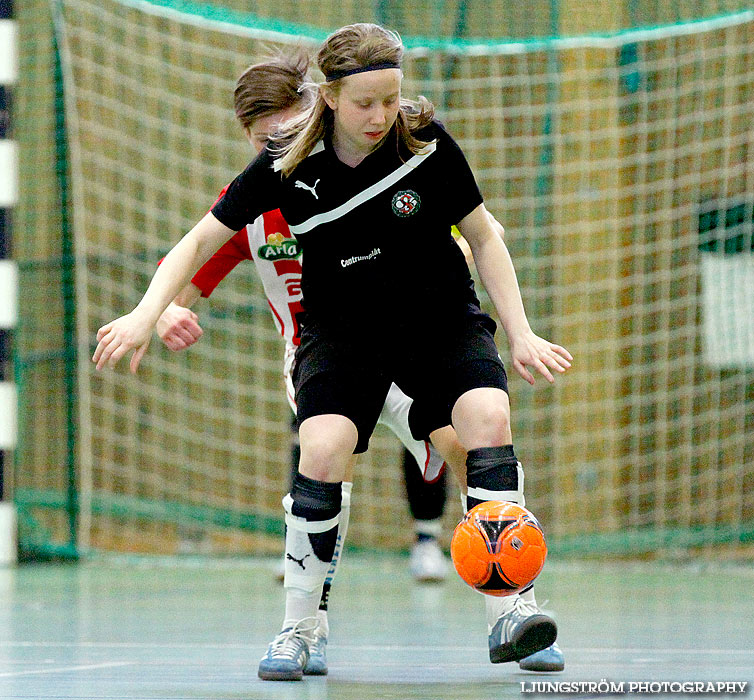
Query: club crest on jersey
x=406, y=203
x=279, y=247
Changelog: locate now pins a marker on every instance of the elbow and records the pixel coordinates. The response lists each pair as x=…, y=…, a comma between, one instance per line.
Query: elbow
x=497, y=227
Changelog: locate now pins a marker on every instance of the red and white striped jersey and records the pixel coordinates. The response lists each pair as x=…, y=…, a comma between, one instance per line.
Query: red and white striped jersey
x=269, y=243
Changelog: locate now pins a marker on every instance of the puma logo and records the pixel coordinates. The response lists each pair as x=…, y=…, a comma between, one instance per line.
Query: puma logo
x=310, y=188
x=300, y=562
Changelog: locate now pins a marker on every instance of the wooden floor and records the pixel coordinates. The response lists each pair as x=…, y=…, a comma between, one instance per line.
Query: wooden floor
x=190, y=629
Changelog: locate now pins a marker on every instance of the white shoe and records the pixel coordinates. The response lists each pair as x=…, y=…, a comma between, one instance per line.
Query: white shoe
x=428, y=563
x=288, y=653
x=520, y=630
x=548, y=659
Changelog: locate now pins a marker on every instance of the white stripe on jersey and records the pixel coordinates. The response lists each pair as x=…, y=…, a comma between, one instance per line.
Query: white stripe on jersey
x=367, y=194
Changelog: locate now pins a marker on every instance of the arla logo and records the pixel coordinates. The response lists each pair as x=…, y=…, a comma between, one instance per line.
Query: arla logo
x=279, y=247
x=406, y=203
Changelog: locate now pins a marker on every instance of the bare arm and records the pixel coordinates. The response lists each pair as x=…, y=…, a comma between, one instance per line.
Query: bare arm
x=178, y=326
x=466, y=249
x=133, y=331
x=496, y=271
x=188, y=296
x=497, y=226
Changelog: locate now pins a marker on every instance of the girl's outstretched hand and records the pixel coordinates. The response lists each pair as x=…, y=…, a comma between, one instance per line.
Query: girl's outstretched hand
x=115, y=339
x=530, y=350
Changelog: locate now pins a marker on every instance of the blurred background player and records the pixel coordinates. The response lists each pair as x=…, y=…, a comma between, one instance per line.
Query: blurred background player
x=426, y=501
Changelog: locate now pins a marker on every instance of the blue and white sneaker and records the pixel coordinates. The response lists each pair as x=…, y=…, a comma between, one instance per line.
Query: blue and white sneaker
x=520, y=631
x=288, y=653
x=317, y=664
x=549, y=659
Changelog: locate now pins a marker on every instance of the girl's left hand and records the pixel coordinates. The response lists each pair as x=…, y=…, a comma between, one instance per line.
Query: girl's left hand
x=530, y=350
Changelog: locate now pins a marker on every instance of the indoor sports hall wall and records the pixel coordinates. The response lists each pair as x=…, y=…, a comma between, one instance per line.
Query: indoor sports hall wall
x=618, y=159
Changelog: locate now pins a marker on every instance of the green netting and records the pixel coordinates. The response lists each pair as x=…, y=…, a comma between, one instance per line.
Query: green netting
x=616, y=162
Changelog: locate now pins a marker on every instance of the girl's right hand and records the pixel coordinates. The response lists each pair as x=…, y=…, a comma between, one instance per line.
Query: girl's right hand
x=178, y=327
x=115, y=339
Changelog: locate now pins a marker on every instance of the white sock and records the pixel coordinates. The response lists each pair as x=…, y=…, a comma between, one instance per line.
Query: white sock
x=528, y=597
x=299, y=604
x=430, y=528
x=323, y=630
x=495, y=606
x=305, y=572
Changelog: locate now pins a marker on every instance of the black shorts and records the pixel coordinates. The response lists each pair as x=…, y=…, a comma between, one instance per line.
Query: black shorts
x=336, y=375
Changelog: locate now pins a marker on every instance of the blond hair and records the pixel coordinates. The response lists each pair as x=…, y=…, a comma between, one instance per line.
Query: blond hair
x=351, y=48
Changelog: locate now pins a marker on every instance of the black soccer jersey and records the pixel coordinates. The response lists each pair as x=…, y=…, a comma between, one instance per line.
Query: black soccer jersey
x=376, y=240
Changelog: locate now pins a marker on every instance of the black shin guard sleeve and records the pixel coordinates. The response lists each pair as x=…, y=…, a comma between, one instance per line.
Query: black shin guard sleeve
x=492, y=469
x=317, y=500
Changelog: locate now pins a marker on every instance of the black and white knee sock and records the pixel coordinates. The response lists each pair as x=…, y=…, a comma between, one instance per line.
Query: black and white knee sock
x=494, y=474
x=312, y=511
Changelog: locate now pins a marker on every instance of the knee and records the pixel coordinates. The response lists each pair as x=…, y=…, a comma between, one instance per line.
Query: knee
x=319, y=458
x=482, y=418
x=326, y=447
x=494, y=419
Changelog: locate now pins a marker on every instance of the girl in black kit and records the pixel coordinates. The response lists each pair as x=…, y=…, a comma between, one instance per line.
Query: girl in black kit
x=370, y=185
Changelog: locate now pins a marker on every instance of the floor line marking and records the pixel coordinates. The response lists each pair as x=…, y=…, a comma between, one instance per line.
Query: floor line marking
x=65, y=669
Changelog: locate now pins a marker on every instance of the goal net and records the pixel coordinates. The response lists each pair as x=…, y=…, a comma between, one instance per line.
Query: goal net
x=621, y=167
